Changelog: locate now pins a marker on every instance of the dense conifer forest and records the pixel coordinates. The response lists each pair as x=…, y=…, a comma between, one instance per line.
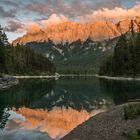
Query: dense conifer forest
x=22, y=60
x=126, y=58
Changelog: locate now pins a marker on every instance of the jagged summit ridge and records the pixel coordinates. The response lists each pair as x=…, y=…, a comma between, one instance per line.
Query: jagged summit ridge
x=125, y=25
x=72, y=31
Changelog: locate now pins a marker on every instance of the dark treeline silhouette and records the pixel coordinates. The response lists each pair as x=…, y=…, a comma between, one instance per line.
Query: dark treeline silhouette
x=25, y=93
x=69, y=93
x=116, y=90
x=3, y=38
x=126, y=58
x=43, y=94
x=21, y=59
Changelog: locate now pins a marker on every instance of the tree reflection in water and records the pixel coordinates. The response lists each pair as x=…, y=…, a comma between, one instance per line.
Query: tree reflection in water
x=120, y=91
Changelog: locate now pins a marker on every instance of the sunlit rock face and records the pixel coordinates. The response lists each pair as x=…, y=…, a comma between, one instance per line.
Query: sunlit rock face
x=55, y=123
x=125, y=25
x=103, y=30
x=70, y=32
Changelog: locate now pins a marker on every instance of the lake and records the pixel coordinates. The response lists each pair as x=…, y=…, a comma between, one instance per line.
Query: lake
x=41, y=109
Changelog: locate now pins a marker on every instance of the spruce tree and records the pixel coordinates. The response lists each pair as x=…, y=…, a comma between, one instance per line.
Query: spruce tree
x=2, y=52
x=126, y=58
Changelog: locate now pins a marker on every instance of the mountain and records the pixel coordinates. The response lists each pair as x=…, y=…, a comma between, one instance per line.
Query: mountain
x=125, y=25
x=70, y=32
x=75, y=47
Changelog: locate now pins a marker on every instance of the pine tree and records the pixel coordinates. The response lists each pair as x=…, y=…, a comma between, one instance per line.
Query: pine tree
x=2, y=52
x=126, y=57
x=21, y=59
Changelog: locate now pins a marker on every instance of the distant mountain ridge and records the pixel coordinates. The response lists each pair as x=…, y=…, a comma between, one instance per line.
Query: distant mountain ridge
x=72, y=31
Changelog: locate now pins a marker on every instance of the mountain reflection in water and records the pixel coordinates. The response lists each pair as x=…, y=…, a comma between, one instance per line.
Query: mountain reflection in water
x=50, y=109
x=57, y=122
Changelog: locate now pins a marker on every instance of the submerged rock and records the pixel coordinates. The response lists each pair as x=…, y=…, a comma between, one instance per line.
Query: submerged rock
x=7, y=81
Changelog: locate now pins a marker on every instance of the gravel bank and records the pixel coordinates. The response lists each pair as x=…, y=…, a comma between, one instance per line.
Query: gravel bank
x=105, y=126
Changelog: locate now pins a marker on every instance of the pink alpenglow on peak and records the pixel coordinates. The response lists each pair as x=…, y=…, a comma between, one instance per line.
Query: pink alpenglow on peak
x=72, y=31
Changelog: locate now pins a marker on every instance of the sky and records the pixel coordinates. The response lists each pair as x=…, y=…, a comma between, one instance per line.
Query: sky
x=20, y=16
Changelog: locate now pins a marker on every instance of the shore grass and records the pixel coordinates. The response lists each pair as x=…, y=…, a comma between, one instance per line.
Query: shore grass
x=132, y=111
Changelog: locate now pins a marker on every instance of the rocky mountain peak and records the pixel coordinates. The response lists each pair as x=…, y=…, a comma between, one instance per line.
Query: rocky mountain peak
x=72, y=31
x=126, y=25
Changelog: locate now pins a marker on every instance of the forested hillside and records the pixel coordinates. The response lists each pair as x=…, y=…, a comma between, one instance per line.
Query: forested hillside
x=79, y=57
x=126, y=58
x=22, y=60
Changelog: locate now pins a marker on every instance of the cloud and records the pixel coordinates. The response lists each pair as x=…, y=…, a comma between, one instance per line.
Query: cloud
x=58, y=11
x=14, y=26
x=77, y=8
x=69, y=8
x=107, y=4
x=11, y=13
x=104, y=14
x=83, y=11
x=54, y=19
x=11, y=3
x=38, y=7
x=36, y=26
x=112, y=15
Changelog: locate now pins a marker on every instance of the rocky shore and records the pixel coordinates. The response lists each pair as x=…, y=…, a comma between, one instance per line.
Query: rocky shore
x=7, y=82
x=109, y=125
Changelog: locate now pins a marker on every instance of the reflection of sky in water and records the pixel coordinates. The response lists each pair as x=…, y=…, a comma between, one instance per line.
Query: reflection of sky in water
x=45, y=110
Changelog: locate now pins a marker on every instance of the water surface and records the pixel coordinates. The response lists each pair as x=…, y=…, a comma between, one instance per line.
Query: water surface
x=48, y=109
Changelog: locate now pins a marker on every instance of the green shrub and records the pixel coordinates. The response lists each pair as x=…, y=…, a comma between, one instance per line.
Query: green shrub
x=131, y=111
x=133, y=136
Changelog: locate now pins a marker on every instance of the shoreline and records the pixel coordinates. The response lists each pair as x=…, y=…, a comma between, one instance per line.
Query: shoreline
x=75, y=75
x=34, y=77
x=102, y=77
x=117, y=78
x=109, y=125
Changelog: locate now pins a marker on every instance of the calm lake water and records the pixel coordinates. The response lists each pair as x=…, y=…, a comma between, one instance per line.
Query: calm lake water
x=39, y=109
